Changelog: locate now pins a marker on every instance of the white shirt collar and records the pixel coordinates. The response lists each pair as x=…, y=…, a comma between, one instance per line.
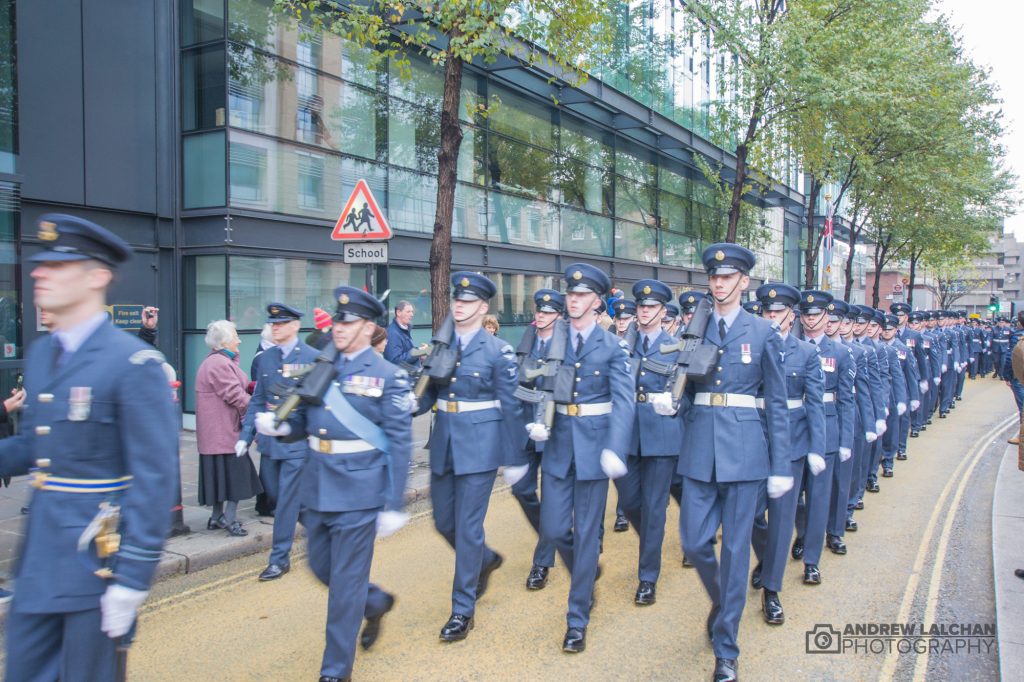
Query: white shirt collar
x=72, y=339
x=585, y=333
x=729, y=318
x=465, y=339
x=353, y=356
x=289, y=347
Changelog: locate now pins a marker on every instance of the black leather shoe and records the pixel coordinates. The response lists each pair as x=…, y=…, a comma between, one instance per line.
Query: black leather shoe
x=213, y=523
x=927, y=423
x=886, y=473
x=686, y=562
x=457, y=628
x=942, y=415
x=646, y=594
x=711, y=622
x=621, y=524
x=575, y=641
x=851, y=525
x=371, y=631
x=725, y=670
x=836, y=544
x=485, y=574
x=325, y=678
x=798, y=550
x=1019, y=572
x=538, y=578
x=872, y=486
x=902, y=456
x=915, y=434
x=859, y=505
x=812, y=576
x=755, y=577
x=772, y=608
x=236, y=530
x=273, y=572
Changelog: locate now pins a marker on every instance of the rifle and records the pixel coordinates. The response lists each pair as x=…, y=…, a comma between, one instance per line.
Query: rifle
x=439, y=364
x=695, y=359
x=311, y=386
x=550, y=378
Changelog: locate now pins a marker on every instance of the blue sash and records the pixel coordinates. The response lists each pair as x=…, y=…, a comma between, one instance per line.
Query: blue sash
x=347, y=415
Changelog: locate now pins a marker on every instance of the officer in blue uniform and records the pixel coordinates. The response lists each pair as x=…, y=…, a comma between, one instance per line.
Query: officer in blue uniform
x=896, y=400
x=278, y=369
x=910, y=336
x=906, y=392
x=586, y=445
x=963, y=334
x=805, y=386
x=656, y=438
x=688, y=301
x=352, y=488
x=477, y=428
x=100, y=430
x=820, y=318
x=726, y=456
x=939, y=358
x=624, y=313
x=754, y=307
x=975, y=346
x=670, y=322
x=550, y=306
x=881, y=382
x=1000, y=346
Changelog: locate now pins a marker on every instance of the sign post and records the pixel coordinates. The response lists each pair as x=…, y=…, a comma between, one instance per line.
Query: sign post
x=364, y=229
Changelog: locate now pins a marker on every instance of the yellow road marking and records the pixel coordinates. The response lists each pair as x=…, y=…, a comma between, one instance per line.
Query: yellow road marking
x=969, y=461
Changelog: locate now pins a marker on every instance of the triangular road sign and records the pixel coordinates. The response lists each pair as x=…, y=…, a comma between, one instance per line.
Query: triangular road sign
x=361, y=219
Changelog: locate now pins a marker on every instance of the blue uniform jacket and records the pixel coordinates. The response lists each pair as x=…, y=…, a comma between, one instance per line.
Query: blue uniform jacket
x=727, y=444
x=129, y=428
x=897, y=381
x=528, y=413
x=1006, y=372
x=911, y=374
x=485, y=439
x=879, y=391
x=914, y=340
x=370, y=479
x=805, y=381
x=862, y=384
x=840, y=372
x=602, y=375
x=274, y=375
x=654, y=435
x=936, y=346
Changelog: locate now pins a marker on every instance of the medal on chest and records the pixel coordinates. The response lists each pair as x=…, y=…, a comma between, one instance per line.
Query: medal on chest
x=745, y=353
x=911, y=343
x=372, y=387
x=79, y=403
x=828, y=364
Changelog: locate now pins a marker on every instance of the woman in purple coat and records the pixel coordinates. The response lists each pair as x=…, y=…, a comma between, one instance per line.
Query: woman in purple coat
x=221, y=401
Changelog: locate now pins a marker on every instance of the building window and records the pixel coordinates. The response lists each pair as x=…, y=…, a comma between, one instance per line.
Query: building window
x=311, y=180
x=248, y=173
x=203, y=170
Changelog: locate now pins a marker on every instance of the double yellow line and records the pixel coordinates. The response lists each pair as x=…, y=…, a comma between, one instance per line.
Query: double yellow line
x=962, y=474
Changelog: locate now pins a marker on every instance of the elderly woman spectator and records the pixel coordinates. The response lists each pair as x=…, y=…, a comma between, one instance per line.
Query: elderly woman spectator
x=490, y=323
x=221, y=401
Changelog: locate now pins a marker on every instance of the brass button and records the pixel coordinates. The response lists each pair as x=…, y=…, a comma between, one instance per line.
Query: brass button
x=42, y=430
x=721, y=352
x=454, y=379
x=643, y=373
x=577, y=380
x=719, y=368
x=596, y=373
x=718, y=382
x=451, y=395
x=46, y=397
x=43, y=462
x=458, y=364
x=574, y=394
x=578, y=365
x=323, y=432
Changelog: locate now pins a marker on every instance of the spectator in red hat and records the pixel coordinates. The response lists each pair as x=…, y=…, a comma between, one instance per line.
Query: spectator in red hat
x=319, y=337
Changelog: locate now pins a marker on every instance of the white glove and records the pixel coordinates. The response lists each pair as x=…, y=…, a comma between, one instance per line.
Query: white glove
x=944, y=368
x=970, y=360
x=816, y=463
x=241, y=447
x=611, y=465
x=914, y=404
x=538, y=432
x=870, y=436
x=118, y=607
x=880, y=427
x=662, y=403
x=937, y=380
x=779, y=486
x=959, y=369
x=845, y=454
x=887, y=413
x=514, y=474
x=923, y=385
x=901, y=409
x=389, y=522
x=265, y=425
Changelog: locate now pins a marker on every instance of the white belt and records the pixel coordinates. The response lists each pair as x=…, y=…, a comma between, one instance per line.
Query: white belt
x=791, y=404
x=466, y=405
x=584, y=409
x=829, y=397
x=338, y=447
x=725, y=400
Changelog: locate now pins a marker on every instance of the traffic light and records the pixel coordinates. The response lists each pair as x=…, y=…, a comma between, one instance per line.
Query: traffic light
x=993, y=303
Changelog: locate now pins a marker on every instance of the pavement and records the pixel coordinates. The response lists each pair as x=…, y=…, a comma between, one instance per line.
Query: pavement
x=1008, y=555
x=201, y=548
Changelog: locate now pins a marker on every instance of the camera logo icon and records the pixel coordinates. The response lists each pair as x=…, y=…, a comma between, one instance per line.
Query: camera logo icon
x=823, y=639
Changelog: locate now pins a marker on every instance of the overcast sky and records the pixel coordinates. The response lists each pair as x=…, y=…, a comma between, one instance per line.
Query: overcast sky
x=991, y=31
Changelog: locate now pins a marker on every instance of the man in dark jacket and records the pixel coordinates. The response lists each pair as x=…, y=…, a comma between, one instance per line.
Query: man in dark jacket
x=400, y=345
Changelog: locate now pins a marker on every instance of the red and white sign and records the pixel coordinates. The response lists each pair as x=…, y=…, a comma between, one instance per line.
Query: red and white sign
x=897, y=288
x=361, y=219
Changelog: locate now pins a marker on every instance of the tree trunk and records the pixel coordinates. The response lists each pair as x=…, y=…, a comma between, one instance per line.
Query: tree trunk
x=854, y=233
x=879, y=258
x=447, y=159
x=813, y=241
x=913, y=277
x=736, y=203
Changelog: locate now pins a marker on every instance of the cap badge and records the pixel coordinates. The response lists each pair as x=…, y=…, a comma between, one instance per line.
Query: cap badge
x=810, y=298
x=647, y=290
x=547, y=297
x=622, y=306
x=831, y=306
x=690, y=299
x=343, y=299
x=771, y=293
x=48, y=231
x=577, y=275
x=719, y=255
x=464, y=282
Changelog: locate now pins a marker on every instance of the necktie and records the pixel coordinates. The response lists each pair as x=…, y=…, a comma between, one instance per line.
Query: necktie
x=722, y=331
x=647, y=345
x=579, y=344
x=540, y=348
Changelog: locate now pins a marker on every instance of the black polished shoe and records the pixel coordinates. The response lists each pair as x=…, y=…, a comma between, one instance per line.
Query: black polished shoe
x=812, y=576
x=711, y=623
x=771, y=607
x=485, y=574
x=887, y=473
x=902, y=456
x=915, y=434
x=798, y=550
x=1019, y=572
x=457, y=628
x=859, y=505
x=686, y=562
x=327, y=678
x=755, y=577
x=236, y=530
x=213, y=523
x=621, y=524
x=273, y=572
x=851, y=525
x=371, y=631
x=872, y=486
x=927, y=423
x=575, y=641
x=538, y=578
x=836, y=544
x=646, y=594
x=725, y=670
x=942, y=415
